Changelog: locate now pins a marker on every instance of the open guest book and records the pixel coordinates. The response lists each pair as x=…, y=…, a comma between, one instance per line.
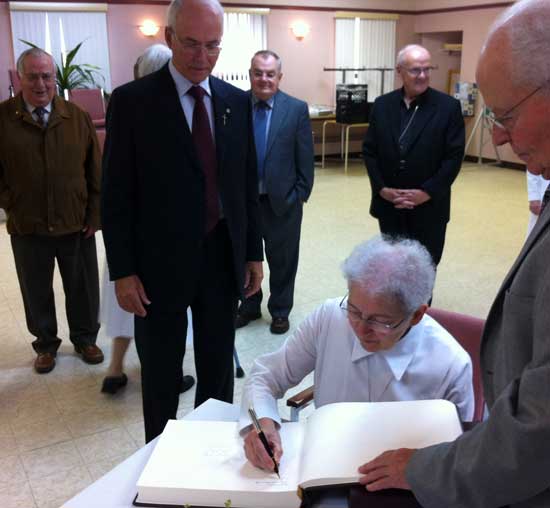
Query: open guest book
x=202, y=463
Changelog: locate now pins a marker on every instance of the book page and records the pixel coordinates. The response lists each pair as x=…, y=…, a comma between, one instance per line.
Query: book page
x=342, y=436
x=198, y=461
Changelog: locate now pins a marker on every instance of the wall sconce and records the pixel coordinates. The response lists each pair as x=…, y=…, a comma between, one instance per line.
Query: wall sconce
x=299, y=29
x=149, y=28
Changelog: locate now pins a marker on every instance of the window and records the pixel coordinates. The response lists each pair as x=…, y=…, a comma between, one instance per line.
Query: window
x=244, y=34
x=59, y=31
x=366, y=42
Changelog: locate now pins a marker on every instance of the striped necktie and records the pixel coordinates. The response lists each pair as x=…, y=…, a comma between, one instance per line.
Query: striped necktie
x=40, y=112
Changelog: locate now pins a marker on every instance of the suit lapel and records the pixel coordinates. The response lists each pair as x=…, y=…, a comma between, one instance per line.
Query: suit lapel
x=277, y=118
x=170, y=104
x=542, y=224
x=426, y=110
x=222, y=118
x=395, y=112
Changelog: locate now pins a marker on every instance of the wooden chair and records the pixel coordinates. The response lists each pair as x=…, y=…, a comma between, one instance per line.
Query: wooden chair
x=92, y=101
x=465, y=329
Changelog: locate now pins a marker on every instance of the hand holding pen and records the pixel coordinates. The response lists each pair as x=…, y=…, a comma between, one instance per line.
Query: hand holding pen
x=263, y=444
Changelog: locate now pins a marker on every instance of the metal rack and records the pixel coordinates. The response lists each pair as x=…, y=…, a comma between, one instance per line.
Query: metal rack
x=343, y=70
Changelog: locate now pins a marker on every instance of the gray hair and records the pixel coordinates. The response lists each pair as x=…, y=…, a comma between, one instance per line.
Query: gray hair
x=525, y=24
x=35, y=52
x=152, y=59
x=399, y=268
x=177, y=5
x=264, y=54
x=402, y=54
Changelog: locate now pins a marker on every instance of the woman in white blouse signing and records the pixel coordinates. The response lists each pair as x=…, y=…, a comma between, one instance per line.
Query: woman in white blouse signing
x=374, y=344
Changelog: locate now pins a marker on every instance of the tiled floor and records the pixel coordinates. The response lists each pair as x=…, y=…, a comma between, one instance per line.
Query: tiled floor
x=58, y=433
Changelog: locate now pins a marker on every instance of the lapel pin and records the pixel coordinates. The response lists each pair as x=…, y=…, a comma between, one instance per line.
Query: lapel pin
x=225, y=116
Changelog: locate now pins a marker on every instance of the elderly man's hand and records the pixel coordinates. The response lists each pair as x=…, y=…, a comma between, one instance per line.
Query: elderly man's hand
x=534, y=206
x=254, y=449
x=253, y=276
x=131, y=296
x=89, y=231
x=387, y=471
x=411, y=198
x=389, y=194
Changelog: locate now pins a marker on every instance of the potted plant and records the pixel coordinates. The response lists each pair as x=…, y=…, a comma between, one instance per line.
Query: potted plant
x=70, y=75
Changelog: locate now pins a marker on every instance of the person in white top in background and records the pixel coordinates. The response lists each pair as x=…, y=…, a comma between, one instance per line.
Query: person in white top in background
x=536, y=185
x=375, y=344
x=118, y=323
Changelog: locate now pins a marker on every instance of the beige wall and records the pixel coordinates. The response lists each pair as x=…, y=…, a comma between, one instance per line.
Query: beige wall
x=303, y=60
x=6, y=51
x=474, y=25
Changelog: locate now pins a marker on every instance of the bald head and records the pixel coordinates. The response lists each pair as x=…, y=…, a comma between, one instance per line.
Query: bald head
x=176, y=6
x=519, y=41
x=513, y=74
x=411, y=51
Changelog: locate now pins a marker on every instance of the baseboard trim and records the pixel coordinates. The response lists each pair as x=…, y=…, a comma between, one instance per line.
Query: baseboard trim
x=503, y=164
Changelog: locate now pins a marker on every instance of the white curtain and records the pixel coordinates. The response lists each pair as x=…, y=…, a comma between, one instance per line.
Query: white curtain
x=65, y=31
x=366, y=43
x=244, y=34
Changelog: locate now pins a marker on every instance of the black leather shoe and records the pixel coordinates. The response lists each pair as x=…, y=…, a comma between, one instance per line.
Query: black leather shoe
x=243, y=318
x=279, y=325
x=112, y=384
x=186, y=383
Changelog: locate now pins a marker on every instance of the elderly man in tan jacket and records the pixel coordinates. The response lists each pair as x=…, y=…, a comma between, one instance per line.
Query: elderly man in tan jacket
x=49, y=187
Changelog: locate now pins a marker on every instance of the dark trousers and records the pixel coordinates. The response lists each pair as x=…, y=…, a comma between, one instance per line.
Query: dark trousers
x=76, y=257
x=430, y=233
x=281, y=236
x=160, y=339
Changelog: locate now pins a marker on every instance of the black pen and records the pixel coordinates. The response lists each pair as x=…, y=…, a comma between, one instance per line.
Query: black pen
x=263, y=439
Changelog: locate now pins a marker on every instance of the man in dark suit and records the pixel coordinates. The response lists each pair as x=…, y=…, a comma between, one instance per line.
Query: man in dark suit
x=180, y=209
x=503, y=461
x=413, y=150
x=284, y=148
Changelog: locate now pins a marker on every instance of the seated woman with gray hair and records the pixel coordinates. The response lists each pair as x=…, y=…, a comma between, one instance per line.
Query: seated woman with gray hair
x=375, y=344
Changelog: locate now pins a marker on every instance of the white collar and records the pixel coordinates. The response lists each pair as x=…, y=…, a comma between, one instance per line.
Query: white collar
x=183, y=84
x=399, y=356
x=31, y=108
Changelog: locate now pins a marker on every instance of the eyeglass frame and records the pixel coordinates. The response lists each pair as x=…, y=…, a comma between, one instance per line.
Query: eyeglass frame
x=416, y=71
x=46, y=77
x=495, y=121
x=195, y=46
x=357, y=317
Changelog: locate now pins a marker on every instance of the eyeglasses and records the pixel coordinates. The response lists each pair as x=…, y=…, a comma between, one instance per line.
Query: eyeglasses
x=355, y=316
x=46, y=77
x=195, y=47
x=416, y=71
x=499, y=121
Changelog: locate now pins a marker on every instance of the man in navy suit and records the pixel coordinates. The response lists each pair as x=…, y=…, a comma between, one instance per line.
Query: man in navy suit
x=284, y=149
x=413, y=150
x=180, y=212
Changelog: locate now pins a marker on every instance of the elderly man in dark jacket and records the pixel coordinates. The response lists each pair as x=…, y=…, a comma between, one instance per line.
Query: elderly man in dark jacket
x=49, y=187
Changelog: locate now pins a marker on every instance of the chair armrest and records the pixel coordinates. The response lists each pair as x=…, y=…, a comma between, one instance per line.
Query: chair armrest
x=301, y=399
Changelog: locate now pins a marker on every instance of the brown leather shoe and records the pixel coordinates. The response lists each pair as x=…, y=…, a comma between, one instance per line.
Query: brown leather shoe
x=90, y=353
x=279, y=325
x=45, y=362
